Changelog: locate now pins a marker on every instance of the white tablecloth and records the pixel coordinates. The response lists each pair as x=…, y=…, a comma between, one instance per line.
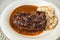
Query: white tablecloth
x=4, y=3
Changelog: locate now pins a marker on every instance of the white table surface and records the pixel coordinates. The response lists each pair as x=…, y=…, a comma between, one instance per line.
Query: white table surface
x=4, y=3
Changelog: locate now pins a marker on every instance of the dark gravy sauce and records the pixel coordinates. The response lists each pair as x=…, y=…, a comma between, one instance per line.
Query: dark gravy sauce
x=27, y=20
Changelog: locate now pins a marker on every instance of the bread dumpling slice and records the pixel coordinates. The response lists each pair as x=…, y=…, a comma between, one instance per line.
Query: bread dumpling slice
x=50, y=16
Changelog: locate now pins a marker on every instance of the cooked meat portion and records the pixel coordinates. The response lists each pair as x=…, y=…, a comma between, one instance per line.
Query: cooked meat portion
x=30, y=21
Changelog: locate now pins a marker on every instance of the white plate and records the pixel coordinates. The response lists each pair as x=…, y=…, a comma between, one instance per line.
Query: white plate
x=11, y=34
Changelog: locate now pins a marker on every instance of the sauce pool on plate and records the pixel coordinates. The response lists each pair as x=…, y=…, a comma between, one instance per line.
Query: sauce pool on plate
x=27, y=20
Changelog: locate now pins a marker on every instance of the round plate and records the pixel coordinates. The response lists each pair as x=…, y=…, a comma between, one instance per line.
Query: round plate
x=12, y=35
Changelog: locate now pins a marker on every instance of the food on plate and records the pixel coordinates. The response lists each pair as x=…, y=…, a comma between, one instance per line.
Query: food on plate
x=50, y=16
x=30, y=21
x=33, y=20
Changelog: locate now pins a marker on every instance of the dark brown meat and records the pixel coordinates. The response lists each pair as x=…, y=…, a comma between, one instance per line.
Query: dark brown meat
x=30, y=21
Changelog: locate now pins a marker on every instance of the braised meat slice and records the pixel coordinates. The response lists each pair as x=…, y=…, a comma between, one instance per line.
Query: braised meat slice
x=30, y=21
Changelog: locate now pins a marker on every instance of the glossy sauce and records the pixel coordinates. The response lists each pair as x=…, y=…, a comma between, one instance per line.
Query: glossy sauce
x=24, y=8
